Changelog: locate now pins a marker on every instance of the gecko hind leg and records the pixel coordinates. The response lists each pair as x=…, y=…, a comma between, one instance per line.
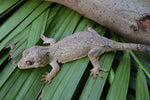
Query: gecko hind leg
x=93, y=55
x=47, y=40
x=91, y=30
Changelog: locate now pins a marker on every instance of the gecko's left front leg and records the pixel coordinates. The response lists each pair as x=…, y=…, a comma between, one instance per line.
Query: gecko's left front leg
x=48, y=77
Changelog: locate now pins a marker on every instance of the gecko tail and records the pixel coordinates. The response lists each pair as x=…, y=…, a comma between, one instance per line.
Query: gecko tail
x=136, y=47
x=144, y=48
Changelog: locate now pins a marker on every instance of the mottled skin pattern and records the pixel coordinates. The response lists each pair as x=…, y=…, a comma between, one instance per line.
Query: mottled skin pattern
x=71, y=48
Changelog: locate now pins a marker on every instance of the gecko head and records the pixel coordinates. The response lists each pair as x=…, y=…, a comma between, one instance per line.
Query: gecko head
x=34, y=57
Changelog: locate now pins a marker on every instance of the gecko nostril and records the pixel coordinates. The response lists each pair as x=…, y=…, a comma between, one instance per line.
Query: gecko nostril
x=19, y=67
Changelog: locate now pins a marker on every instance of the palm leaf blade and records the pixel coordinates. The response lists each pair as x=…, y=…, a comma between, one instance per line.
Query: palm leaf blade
x=119, y=87
x=141, y=86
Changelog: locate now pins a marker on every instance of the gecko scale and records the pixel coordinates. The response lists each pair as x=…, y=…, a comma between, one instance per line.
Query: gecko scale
x=88, y=43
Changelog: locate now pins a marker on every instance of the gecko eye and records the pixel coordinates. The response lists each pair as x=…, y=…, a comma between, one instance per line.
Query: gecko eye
x=29, y=62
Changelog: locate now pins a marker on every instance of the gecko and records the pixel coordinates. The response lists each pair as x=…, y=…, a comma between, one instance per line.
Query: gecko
x=78, y=45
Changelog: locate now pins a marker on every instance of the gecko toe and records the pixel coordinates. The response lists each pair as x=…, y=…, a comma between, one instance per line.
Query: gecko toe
x=104, y=70
x=91, y=74
x=43, y=79
x=46, y=78
x=44, y=82
x=100, y=75
x=42, y=37
x=94, y=76
x=43, y=75
x=95, y=72
x=49, y=81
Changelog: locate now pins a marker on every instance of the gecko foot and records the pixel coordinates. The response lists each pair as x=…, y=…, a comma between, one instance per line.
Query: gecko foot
x=95, y=71
x=46, y=78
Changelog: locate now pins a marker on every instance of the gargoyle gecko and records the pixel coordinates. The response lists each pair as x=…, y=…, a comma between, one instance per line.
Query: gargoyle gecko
x=73, y=47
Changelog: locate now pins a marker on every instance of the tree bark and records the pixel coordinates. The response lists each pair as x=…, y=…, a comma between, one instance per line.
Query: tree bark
x=128, y=18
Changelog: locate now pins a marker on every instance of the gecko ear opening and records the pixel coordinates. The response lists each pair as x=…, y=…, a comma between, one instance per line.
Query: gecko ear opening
x=47, y=55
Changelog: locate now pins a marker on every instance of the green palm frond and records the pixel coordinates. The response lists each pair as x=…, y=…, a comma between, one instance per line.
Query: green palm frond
x=22, y=23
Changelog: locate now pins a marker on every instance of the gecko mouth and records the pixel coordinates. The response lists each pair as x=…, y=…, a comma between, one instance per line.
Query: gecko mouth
x=20, y=67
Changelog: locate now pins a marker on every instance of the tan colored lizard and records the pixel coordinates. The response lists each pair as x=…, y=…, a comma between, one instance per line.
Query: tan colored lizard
x=71, y=48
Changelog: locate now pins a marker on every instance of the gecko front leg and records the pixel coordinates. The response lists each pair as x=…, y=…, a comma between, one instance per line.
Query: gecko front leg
x=47, y=40
x=48, y=77
x=94, y=54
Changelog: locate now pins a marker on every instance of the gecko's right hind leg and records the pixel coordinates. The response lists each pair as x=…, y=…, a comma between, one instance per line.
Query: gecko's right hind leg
x=47, y=40
x=91, y=30
x=94, y=54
